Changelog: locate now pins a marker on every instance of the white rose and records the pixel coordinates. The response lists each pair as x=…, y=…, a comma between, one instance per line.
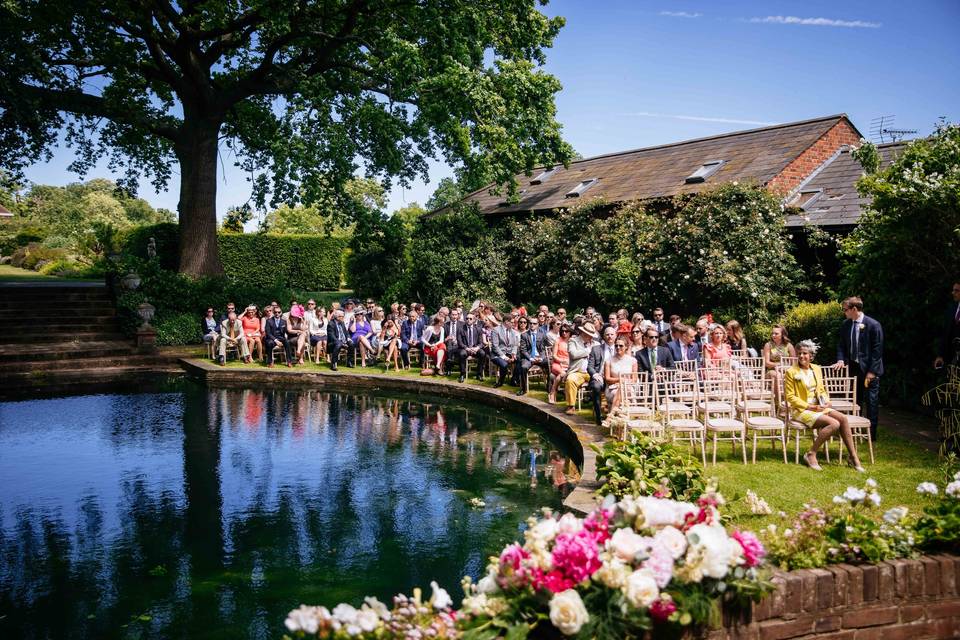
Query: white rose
x=658, y=512
x=567, y=612
x=927, y=487
x=854, y=495
x=613, y=573
x=627, y=544
x=303, y=619
x=378, y=607
x=344, y=613
x=440, y=599
x=487, y=584
x=368, y=620
x=570, y=524
x=671, y=539
x=545, y=530
x=641, y=589
x=714, y=545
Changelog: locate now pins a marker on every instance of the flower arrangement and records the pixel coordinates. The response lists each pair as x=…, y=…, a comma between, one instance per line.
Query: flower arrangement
x=938, y=528
x=648, y=466
x=632, y=565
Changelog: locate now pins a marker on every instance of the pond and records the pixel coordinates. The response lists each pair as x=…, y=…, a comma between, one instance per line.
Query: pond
x=199, y=512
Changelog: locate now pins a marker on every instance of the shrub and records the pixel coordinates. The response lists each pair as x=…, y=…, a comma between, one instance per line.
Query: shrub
x=30, y=256
x=177, y=328
x=818, y=321
x=134, y=242
x=646, y=467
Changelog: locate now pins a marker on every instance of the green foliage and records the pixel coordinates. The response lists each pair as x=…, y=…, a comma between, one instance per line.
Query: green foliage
x=236, y=217
x=912, y=222
x=938, y=528
x=448, y=192
x=177, y=328
x=454, y=256
x=648, y=466
x=379, y=253
x=133, y=242
x=34, y=254
x=817, y=321
x=868, y=157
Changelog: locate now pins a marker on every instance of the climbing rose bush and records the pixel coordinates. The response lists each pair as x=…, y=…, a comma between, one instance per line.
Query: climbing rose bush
x=631, y=565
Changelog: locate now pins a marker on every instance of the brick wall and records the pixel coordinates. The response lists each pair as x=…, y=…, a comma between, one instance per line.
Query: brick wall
x=895, y=600
x=807, y=162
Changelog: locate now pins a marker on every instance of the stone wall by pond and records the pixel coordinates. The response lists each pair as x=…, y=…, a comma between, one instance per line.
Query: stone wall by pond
x=895, y=600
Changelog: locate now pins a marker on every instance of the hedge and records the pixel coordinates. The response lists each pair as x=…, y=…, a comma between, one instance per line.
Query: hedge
x=817, y=321
x=259, y=260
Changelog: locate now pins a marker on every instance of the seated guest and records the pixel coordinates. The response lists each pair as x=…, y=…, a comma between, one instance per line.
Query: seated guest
x=675, y=320
x=686, y=347
x=230, y=307
x=736, y=340
x=360, y=334
x=209, y=327
x=636, y=342
x=376, y=318
x=810, y=404
x=533, y=353
x=349, y=308
x=231, y=334
x=718, y=349
x=774, y=351
x=411, y=332
x=560, y=359
x=578, y=350
x=504, y=345
x=663, y=329
x=470, y=340
x=595, y=362
x=433, y=343
x=622, y=362
x=702, y=328
x=296, y=331
x=316, y=320
x=276, y=336
x=654, y=357
x=390, y=341
x=451, y=332
x=251, y=331
x=338, y=339
x=267, y=314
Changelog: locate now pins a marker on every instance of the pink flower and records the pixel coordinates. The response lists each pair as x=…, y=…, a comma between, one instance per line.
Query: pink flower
x=661, y=608
x=598, y=524
x=660, y=564
x=512, y=571
x=554, y=580
x=576, y=556
x=753, y=551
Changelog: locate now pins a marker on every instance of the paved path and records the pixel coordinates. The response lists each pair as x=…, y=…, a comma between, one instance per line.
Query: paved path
x=910, y=425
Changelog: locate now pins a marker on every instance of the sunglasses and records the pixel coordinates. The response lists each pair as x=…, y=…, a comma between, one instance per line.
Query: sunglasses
x=620, y=346
x=635, y=331
x=649, y=337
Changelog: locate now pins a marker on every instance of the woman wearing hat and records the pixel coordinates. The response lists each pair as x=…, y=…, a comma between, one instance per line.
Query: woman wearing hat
x=360, y=334
x=252, y=332
x=578, y=350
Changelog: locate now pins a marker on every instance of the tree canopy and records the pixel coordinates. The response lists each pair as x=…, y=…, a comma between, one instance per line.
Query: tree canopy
x=302, y=95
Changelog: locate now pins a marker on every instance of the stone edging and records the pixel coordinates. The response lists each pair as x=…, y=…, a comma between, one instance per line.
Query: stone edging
x=574, y=430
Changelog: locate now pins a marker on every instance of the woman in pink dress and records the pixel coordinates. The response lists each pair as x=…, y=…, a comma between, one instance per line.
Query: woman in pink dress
x=717, y=351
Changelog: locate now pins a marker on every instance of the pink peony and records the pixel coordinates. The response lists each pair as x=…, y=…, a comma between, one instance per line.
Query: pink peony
x=661, y=608
x=753, y=551
x=512, y=571
x=598, y=524
x=576, y=556
x=660, y=564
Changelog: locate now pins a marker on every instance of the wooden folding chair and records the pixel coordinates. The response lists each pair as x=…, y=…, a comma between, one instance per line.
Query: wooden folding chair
x=676, y=402
x=717, y=409
x=759, y=416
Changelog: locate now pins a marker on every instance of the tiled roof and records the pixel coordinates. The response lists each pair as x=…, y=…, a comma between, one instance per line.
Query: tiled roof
x=756, y=155
x=839, y=204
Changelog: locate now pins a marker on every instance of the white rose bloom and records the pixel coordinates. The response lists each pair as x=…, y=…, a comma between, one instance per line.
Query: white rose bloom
x=368, y=620
x=953, y=489
x=569, y=523
x=641, y=589
x=927, y=487
x=713, y=542
x=353, y=629
x=487, y=584
x=344, y=613
x=440, y=599
x=658, y=512
x=379, y=608
x=303, y=619
x=545, y=530
x=476, y=605
x=671, y=539
x=627, y=543
x=567, y=612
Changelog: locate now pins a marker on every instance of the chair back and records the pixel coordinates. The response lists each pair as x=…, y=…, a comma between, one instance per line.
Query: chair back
x=830, y=372
x=757, y=389
x=718, y=395
x=636, y=393
x=677, y=395
x=842, y=392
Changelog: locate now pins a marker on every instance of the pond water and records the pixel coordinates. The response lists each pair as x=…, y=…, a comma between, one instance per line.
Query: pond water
x=209, y=513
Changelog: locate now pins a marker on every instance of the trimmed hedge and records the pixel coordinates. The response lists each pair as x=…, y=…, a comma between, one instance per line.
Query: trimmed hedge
x=254, y=259
x=817, y=321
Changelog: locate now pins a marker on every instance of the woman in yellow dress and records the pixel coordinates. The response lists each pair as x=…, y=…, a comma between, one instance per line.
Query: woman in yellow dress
x=810, y=404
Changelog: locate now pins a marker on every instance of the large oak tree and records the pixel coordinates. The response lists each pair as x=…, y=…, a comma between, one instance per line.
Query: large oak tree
x=303, y=93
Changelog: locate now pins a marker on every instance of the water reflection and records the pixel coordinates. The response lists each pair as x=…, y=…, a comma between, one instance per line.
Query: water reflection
x=212, y=512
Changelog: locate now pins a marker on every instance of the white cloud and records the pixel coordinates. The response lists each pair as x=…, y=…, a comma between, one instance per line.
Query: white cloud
x=675, y=116
x=680, y=14
x=817, y=22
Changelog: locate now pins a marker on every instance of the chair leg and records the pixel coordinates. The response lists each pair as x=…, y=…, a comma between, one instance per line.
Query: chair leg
x=714, y=449
x=754, y=447
x=783, y=445
x=797, y=456
x=703, y=448
x=870, y=445
x=743, y=446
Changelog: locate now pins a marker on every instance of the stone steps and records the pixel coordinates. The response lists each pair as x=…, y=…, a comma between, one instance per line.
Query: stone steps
x=83, y=334
x=50, y=314
x=61, y=348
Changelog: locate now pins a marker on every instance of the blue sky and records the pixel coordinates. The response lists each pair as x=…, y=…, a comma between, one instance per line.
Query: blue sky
x=642, y=73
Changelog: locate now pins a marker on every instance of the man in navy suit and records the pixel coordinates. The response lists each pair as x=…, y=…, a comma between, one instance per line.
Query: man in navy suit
x=338, y=339
x=653, y=356
x=685, y=347
x=411, y=332
x=861, y=347
x=949, y=345
x=276, y=335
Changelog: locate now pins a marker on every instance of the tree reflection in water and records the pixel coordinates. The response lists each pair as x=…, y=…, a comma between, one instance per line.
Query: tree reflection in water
x=216, y=511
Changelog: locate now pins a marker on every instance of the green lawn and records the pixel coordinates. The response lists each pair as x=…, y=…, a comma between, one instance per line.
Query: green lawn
x=900, y=466
x=14, y=274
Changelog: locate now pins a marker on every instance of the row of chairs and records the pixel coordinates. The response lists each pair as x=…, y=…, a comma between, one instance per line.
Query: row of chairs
x=730, y=402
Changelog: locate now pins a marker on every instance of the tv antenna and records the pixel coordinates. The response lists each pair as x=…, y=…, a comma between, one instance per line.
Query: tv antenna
x=882, y=130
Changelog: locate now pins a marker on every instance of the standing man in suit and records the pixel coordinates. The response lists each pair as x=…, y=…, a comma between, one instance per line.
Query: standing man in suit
x=276, y=335
x=654, y=356
x=532, y=354
x=949, y=348
x=686, y=346
x=470, y=339
x=338, y=338
x=504, y=346
x=599, y=355
x=451, y=332
x=861, y=347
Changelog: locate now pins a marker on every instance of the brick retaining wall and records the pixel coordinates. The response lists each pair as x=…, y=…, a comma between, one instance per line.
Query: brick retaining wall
x=895, y=600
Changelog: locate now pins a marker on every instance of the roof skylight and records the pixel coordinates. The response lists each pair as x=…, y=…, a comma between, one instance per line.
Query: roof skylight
x=544, y=176
x=578, y=190
x=706, y=170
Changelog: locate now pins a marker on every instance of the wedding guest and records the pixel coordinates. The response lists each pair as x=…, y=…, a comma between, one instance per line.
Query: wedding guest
x=433, y=343
x=360, y=333
x=622, y=362
x=578, y=349
x=948, y=347
x=471, y=341
x=390, y=341
x=296, y=331
x=252, y=331
x=316, y=320
x=276, y=336
x=655, y=357
x=209, y=327
x=736, y=339
x=533, y=353
x=861, y=347
x=338, y=339
x=774, y=351
x=560, y=360
x=810, y=404
x=718, y=349
x=231, y=335
x=504, y=344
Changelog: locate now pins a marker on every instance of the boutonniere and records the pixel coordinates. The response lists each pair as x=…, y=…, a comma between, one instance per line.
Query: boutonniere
x=862, y=327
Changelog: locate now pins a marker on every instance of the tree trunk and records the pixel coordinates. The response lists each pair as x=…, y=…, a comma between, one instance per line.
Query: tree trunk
x=197, y=152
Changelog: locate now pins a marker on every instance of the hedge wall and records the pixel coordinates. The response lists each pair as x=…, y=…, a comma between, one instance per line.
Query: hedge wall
x=310, y=263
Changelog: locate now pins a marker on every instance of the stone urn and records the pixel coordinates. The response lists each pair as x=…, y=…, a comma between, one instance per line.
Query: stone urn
x=131, y=281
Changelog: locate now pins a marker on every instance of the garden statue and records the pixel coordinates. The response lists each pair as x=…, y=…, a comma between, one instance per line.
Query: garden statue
x=152, y=249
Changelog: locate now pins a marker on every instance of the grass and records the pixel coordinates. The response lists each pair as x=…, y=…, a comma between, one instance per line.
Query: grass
x=900, y=465
x=14, y=274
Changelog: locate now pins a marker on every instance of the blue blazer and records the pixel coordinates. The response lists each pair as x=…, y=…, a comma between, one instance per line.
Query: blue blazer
x=693, y=350
x=869, y=346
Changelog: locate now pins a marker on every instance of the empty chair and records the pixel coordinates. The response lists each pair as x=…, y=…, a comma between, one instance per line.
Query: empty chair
x=676, y=402
x=760, y=416
x=716, y=406
x=843, y=398
x=638, y=404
